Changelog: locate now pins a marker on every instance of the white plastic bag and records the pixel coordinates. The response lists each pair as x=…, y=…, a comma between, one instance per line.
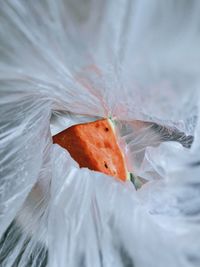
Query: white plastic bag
x=135, y=61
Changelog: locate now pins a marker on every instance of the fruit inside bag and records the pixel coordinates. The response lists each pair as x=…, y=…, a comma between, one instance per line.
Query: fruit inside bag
x=65, y=63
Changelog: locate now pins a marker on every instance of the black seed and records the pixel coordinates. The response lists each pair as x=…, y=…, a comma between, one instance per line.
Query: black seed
x=106, y=166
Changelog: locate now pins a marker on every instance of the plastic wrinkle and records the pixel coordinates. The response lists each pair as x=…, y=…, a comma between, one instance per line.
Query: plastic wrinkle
x=66, y=62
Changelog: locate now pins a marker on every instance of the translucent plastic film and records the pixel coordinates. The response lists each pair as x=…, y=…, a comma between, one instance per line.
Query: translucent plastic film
x=66, y=62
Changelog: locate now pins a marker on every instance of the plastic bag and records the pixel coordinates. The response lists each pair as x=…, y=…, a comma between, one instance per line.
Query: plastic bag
x=137, y=61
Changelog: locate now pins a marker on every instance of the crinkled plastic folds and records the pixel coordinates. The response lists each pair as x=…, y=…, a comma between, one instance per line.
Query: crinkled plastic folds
x=65, y=62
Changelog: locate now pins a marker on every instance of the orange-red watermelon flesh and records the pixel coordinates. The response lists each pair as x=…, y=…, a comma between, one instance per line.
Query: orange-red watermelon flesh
x=94, y=145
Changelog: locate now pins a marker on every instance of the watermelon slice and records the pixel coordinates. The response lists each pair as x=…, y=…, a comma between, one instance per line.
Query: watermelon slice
x=94, y=145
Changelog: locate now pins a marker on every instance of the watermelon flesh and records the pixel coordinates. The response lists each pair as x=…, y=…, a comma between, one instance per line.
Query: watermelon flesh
x=94, y=145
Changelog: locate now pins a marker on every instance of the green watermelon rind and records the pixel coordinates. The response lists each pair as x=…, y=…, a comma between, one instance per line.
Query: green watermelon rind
x=129, y=176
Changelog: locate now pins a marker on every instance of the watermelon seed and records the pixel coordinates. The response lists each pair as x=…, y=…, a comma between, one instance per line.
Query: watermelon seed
x=106, y=165
x=106, y=129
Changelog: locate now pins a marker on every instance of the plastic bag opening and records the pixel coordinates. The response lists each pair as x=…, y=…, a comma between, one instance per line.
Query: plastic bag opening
x=143, y=70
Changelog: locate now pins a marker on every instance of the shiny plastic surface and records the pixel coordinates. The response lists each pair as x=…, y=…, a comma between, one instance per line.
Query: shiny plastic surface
x=134, y=61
